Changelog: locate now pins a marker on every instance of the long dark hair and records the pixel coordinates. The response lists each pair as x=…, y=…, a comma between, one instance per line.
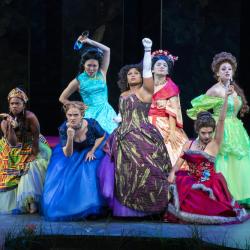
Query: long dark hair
x=90, y=53
x=22, y=121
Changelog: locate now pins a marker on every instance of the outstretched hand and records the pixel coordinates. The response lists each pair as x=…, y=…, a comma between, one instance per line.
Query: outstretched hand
x=147, y=43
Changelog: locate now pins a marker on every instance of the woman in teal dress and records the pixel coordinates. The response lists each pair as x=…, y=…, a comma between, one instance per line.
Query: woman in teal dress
x=91, y=84
x=233, y=160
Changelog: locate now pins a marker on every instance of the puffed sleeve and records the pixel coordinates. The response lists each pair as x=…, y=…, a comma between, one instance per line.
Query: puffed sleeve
x=98, y=130
x=203, y=103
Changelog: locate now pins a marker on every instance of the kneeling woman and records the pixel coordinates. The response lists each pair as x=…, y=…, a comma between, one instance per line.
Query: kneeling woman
x=24, y=157
x=201, y=195
x=71, y=188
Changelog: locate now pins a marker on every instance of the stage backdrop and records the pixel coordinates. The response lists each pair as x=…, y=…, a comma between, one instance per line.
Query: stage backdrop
x=37, y=37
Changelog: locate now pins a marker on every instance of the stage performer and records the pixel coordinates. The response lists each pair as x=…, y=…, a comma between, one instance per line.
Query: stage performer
x=234, y=155
x=165, y=111
x=24, y=156
x=201, y=195
x=133, y=174
x=71, y=189
x=91, y=84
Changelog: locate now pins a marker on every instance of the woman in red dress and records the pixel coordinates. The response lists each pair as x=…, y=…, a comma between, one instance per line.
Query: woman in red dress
x=200, y=195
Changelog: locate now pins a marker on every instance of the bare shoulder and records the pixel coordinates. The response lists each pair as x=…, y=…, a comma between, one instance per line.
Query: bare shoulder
x=213, y=91
x=126, y=93
x=30, y=115
x=212, y=148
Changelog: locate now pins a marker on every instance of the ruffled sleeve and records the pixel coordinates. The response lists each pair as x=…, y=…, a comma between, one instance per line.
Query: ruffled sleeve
x=203, y=103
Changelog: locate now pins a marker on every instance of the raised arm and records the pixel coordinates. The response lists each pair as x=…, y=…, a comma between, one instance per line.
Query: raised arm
x=104, y=48
x=148, y=82
x=68, y=148
x=219, y=132
x=71, y=88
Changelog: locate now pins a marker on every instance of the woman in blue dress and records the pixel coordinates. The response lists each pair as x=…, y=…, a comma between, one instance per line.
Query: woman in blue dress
x=71, y=188
x=91, y=84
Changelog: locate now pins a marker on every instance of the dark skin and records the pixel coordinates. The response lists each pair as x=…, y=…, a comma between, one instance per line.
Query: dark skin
x=12, y=134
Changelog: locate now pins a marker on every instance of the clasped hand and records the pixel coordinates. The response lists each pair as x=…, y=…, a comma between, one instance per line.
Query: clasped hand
x=10, y=121
x=147, y=43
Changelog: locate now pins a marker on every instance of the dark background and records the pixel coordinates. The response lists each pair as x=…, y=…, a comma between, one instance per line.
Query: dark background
x=37, y=37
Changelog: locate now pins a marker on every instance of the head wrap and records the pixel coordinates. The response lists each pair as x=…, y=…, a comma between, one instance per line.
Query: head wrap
x=18, y=93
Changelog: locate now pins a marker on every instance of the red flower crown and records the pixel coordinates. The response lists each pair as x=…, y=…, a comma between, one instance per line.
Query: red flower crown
x=165, y=53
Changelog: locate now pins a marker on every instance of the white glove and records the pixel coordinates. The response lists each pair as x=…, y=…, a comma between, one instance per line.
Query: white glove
x=147, y=43
x=118, y=118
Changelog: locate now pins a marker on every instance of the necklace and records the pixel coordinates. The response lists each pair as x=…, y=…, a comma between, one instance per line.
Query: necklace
x=160, y=82
x=199, y=145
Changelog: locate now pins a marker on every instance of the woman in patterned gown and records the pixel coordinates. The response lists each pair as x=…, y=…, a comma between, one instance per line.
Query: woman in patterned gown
x=201, y=195
x=133, y=173
x=234, y=156
x=165, y=111
x=24, y=156
x=91, y=84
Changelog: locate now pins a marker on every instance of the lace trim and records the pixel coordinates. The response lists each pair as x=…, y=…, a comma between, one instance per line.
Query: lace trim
x=206, y=155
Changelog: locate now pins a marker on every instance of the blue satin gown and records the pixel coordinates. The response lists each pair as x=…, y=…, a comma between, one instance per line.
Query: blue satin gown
x=71, y=189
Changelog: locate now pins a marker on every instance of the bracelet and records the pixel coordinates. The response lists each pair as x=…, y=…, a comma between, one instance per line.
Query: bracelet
x=147, y=50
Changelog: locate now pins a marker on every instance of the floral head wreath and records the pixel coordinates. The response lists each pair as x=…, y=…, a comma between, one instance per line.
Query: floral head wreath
x=18, y=93
x=165, y=53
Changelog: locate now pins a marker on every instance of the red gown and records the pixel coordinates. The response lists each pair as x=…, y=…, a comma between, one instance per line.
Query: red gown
x=201, y=195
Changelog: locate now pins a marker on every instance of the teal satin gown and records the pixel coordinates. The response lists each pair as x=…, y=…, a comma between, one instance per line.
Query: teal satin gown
x=94, y=93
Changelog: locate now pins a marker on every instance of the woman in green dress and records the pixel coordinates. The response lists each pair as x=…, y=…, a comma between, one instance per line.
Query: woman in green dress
x=233, y=160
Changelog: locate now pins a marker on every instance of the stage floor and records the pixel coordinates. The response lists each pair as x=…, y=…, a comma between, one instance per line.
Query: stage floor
x=237, y=235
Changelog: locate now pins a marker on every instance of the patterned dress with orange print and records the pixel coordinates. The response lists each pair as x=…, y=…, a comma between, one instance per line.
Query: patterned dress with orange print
x=159, y=117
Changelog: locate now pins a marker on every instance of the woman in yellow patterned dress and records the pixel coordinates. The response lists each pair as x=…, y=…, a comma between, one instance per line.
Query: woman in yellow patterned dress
x=24, y=156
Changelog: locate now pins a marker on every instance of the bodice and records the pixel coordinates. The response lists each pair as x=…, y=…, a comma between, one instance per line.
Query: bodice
x=201, y=164
x=93, y=90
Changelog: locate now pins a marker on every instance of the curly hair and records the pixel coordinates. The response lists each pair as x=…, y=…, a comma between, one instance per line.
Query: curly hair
x=75, y=104
x=90, y=53
x=223, y=57
x=220, y=58
x=123, y=80
x=168, y=60
x=204, y=119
